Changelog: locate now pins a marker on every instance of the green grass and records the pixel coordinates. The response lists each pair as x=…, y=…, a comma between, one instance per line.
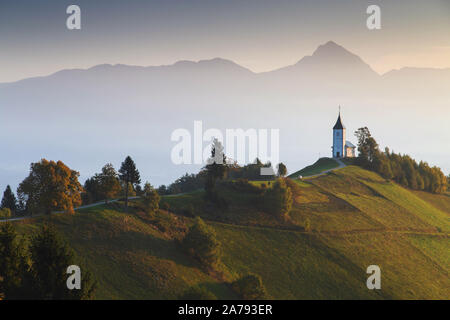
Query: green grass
x=260, y=183
x=131, y=255
x=319, y=166
x=297, y=265
x=439, y=201
x=357, y=219
x=406, y=272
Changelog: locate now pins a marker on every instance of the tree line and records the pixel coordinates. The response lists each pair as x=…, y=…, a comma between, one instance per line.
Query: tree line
x=35, y=267
x=401, y=168
x=221, y=171
x=53, y=186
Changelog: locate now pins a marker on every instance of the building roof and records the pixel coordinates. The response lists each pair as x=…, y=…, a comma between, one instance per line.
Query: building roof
x=349, y=144
x=339, y=124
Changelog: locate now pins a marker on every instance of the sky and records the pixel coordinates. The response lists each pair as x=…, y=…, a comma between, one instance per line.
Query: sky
x=258, y=34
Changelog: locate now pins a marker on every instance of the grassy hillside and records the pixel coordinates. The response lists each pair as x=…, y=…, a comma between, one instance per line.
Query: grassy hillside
x=319, y=166
x=357, y=219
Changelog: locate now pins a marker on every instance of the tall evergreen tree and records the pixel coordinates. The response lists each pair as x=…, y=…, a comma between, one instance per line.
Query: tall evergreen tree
x=50, y=257
x=215, y=169
x=129, y=175
x=12, y=263
x=9, y=200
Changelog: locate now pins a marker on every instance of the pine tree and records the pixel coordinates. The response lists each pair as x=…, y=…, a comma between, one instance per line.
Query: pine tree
x=215, y=170
x=50, y=257
x=9, y=200
x=12, y=263
x=129, y=175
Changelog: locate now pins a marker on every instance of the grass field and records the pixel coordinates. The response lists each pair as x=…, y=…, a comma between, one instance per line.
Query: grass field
x=357, y=219
x=319, y=166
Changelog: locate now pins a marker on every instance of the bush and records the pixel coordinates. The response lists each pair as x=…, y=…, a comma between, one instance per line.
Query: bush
x=243, y=186
x=150, y=199
x=5, y=213
x=188, y=211
x=307, y=225
x=165, y=205
x=250, y=287
x=201, y=243
x=278, y=199
x=198, y=293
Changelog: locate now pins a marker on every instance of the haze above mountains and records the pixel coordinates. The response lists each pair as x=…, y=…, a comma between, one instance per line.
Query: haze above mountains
x=89, y=117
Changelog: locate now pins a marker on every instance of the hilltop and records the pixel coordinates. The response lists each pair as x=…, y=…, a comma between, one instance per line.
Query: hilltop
x=341, y=222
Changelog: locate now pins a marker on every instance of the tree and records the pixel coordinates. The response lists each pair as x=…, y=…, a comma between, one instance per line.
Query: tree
x=201, y=243
x=215, y=169
x=282, y=170
x=38, y=271
x=162, y=190
x=108, y=183
x=151, y=198
x=9, y=200
x=129, y=175
x=11, y=263
x=139, y=191
x=92, y=191
x=50, y=257
x=250, y=287
x=367, y=146
x=50, y=186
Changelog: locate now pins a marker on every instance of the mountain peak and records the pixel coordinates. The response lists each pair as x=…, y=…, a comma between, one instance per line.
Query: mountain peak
x=332, y=49
x=212, y=64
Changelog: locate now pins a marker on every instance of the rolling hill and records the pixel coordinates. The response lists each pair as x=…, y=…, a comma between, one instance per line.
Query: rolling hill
x=355, y=218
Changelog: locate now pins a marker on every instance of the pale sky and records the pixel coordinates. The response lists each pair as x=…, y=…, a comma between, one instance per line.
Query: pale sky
x=258, y=34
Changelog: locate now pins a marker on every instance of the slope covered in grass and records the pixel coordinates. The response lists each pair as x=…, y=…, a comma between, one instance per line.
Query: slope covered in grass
x=319, y=166
x=356, y=219
x=131, y=255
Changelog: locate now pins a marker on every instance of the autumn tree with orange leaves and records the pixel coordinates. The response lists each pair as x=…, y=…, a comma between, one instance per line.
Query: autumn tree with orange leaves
x=50, y=186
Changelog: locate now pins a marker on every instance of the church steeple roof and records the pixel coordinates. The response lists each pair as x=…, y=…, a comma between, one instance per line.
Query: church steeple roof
x=339, y=124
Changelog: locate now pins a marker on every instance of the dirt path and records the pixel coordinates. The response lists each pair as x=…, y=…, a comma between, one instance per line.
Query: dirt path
x=77, y=208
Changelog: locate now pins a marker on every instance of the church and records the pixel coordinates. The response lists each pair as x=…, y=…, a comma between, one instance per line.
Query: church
x=341, y=148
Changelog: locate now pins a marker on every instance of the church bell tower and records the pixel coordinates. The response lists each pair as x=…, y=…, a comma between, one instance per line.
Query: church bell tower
x=339, y=138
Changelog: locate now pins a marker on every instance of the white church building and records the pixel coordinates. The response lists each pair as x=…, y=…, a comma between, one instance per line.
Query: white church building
x=341, y=148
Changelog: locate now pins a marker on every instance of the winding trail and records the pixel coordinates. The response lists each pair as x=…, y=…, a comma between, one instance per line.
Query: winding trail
x=77, y=208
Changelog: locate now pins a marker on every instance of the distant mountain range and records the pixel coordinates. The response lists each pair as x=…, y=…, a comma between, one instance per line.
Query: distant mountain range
x=105, y=112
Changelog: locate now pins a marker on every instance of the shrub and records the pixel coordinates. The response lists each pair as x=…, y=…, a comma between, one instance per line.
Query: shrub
x=198, y=293
x=150, y=199
x=307, y=225
x=278, y=199
x=250, y=287
x=5, y=213
x=189, y=211
x=166, y=206
x=201, y=243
